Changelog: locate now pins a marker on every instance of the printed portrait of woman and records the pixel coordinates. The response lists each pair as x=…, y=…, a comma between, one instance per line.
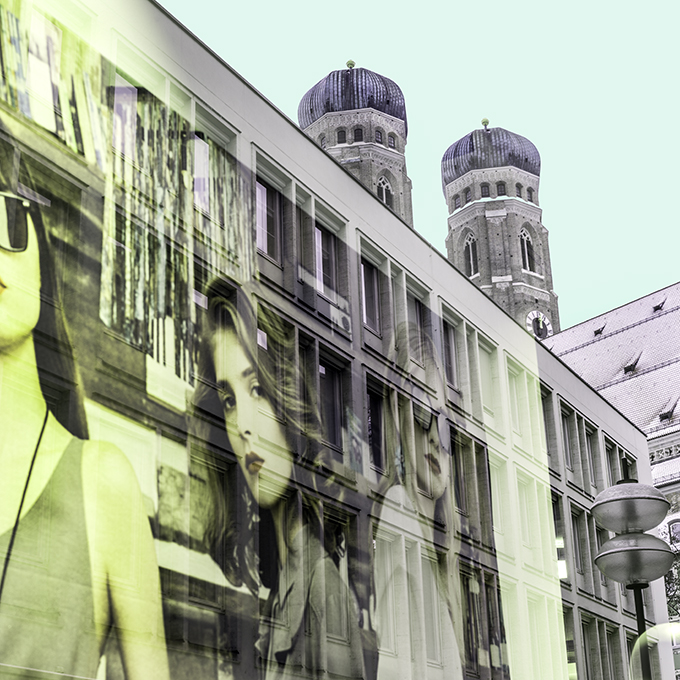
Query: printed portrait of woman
x=269, y=517
x=76, y=550
x=414, y=500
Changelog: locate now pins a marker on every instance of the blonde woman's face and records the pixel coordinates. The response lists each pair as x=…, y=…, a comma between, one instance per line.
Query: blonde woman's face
x=437, y=455
x=19, y=289
x=257, y=436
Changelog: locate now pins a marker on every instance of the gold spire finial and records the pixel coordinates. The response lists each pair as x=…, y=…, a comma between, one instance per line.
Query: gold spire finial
x=485, y=123
x=351, y=64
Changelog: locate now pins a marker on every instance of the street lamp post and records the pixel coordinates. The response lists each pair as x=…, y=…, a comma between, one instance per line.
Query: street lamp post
x=632, y=556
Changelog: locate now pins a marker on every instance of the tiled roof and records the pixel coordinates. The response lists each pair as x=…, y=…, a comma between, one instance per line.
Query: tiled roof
x=632, y=332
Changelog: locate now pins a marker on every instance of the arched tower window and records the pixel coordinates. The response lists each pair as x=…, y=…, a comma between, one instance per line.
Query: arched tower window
x=530, y=194
x=358, y=134
x=378, y=136
x=518, y=190
x=500, y=189
x=485, y=190
x=342, y=137
x=385, y=193
x=391, y=142
x=527, y=248
x=456, y=202
x=468, y=196
x=322, y=141
x=470, y=256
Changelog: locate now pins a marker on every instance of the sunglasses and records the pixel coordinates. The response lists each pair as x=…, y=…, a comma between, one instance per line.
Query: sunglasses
x=14, y=210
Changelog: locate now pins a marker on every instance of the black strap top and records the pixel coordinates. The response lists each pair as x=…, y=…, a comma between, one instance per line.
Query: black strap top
x=47, y=606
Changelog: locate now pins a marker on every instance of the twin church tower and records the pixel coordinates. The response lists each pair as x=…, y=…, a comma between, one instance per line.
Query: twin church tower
x=490, y=179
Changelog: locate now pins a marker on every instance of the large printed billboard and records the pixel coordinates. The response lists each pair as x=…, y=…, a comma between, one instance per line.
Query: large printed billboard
x=197, y=482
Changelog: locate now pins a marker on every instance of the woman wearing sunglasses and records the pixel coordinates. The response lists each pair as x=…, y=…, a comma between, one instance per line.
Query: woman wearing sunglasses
x=76, y=552
x=414, y=498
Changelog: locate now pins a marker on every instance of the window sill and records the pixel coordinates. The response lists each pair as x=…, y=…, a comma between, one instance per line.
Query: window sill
x=269, y=258
x=380, y=471
x=335, y=451
x=372, y=331
x=331, y=299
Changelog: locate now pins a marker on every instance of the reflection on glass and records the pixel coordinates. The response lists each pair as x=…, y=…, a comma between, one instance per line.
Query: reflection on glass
x=72, y=522
x=287, y=554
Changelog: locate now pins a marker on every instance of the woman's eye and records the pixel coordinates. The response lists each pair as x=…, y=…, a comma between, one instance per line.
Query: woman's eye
x=228, y=402
x=257, y=390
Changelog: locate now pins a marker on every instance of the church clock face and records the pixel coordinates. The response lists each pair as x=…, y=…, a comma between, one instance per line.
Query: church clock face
x=539, y=324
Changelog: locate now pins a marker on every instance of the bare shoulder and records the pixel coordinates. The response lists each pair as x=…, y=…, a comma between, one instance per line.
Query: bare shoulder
x=108, y=474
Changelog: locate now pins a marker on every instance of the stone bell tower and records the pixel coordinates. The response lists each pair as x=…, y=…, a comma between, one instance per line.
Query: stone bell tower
x=359, y=118
x=496, y=236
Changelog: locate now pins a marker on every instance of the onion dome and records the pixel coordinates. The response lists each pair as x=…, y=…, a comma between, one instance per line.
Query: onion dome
x=350, y=89
x=489, y=148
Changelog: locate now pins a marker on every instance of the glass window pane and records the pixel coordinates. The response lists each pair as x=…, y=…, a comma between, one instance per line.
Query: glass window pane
x=331, y=403
x=370, y=286
x=375, y=429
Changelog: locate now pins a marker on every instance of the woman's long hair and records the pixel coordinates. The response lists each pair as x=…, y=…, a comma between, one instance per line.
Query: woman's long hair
x=232, y=307
x=59, y=376
x=403, y=469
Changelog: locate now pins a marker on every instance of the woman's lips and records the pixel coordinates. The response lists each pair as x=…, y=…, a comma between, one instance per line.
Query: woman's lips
x=254, y=463
x=434, y=463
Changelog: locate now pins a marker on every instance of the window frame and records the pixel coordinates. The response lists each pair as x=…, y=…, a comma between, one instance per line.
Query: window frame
x=577, y=538
x=567, y=439
x=459, y=466
x=375, y=394
x=470, y=256
x=335, y=403
x=592, y=448
x=515, y=376
x=374, y=285
x=416, y=324
x=341, y=136
x=384, y=191
x=269, y=208
x=330, y=289
x=527, y=251
x=472, y=617
x=560, y=545
x=450, y=354
x=674, y=538
x=421, y=447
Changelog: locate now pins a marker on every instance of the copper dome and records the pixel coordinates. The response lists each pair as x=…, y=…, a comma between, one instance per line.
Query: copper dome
x=489, y=148
x=350, y=89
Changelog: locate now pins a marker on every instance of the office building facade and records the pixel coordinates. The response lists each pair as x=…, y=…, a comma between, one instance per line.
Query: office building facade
x=351, y=460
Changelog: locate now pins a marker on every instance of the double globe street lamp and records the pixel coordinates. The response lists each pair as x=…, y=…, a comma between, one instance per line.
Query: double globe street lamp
x=633, y=557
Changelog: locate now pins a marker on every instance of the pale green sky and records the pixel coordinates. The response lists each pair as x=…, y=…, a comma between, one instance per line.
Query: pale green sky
x=594, y=85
